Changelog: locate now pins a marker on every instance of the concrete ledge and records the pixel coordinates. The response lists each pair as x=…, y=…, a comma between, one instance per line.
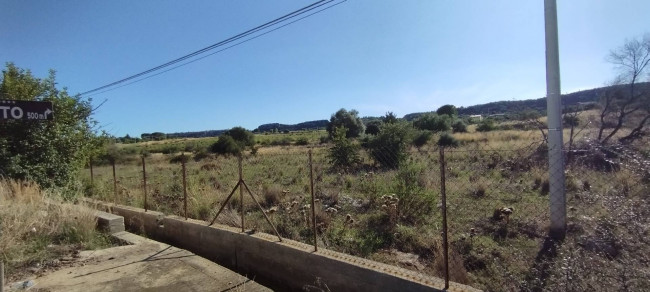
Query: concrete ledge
x=284, y=266
x=109, y=223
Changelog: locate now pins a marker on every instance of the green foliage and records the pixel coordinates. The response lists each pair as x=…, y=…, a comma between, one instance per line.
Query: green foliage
x=415, y=202
x=242, y=136
x=447, y=140
x=344, y=153
x=373, y=127
x=422, y=138
x=433, y=122
x=459, y=126
x=389, y=147
x=48, y=152
x=302, y=141
x=348, y=119
x=226, y=145
x=486, y=126
x=448, y=110
x=389, y=118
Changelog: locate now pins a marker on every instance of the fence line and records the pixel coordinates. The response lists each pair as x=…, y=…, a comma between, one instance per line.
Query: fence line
x=493, y=197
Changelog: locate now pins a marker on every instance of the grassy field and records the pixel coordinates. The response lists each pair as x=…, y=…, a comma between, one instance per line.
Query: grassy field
x=37, y=229
x=385, y=214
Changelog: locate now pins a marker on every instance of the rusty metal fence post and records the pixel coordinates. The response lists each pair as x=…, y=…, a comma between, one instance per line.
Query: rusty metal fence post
x=443, y=196
x=184, y=186
x=241, y=193
x=313, y=201
x=114, y=182
x=144, y=182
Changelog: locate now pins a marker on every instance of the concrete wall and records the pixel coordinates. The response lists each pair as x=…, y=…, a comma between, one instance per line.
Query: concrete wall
x=285, y=266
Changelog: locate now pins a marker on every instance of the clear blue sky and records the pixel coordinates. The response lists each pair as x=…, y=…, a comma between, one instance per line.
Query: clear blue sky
x=369, y=55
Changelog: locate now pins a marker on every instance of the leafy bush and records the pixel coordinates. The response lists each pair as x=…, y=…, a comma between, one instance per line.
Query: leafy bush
x=347, y=119
x=486, y=126
x=389, y=147
x=225, y=145
x=433, y=122
x=448, y=110
x=302, y=141
x=242, y=136
x=344, y=153
x=415, y=202
x=373, y=127
x=447, y=140
x=49, y=152
x=459, y=127
x=422, y=138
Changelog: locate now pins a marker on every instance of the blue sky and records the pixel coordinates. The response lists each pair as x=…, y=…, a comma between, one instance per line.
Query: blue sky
x=370, y=55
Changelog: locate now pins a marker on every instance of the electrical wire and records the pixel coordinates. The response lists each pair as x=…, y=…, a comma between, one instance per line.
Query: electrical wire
x=245, y=34
x=203, y=57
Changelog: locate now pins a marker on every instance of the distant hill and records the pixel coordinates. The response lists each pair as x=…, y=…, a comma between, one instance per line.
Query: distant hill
x=311, y=125
x=497, y=107
x=539, y=104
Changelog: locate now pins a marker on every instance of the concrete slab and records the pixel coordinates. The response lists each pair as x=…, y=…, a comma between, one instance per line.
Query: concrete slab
x=146, y=265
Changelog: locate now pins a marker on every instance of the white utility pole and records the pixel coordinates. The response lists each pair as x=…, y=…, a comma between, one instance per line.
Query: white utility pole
x=554, y=112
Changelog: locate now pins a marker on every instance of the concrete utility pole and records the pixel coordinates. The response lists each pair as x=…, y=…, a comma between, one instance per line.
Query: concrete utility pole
x=554, y=112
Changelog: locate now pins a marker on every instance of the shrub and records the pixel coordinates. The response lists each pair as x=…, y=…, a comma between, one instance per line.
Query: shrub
x=324, y=139
x=433, y=122
x=415, y=203
x=448, y=110
x=389, y=147
x=447, y=140
x=422, y=138
x=486, y=126
x=302, y=141
x=344, y=153
x=52, y=152
x=459, y=127
x=373, y=127
x=347, y=119
x=242, y=136
x=225, y=145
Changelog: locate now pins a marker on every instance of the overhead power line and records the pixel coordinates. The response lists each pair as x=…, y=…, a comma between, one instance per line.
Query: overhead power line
x=274, y=24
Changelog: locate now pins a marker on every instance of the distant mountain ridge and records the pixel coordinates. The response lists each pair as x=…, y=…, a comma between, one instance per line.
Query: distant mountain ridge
x=497, y=107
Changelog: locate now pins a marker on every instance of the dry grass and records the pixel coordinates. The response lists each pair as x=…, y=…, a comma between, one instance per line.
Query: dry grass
x=36, y=227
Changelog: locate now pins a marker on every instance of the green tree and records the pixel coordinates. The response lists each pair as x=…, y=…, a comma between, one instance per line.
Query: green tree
x=372, y=128
x=389, y=118
x=158, y=136
x=225, y=145
x=433, y=122
x=48, y=152
x=344, y=153
x=242, y=136
x=448, y=110
x=348, y=119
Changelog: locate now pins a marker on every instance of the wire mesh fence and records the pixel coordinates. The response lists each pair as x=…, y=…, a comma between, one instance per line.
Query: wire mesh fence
x=477, y=213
